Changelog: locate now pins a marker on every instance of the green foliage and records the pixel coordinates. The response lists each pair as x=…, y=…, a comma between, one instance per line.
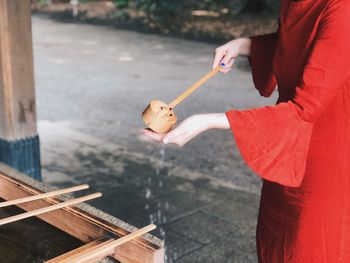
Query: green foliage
x=172, y=15
x=121, y=3
x=175, y=15
x=172, y=7
x=42, y=2
x=166, y=15
x=175, y=6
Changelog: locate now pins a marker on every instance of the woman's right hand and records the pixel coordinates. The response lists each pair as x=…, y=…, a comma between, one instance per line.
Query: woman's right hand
x=225, y=55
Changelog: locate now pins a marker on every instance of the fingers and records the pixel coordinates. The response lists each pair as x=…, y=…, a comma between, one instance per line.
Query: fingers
x=224, y=58
x=229, y=66
x=178, y=138
x=219, y=54
x=227, y=60
x=181, y=139
x=155, y=136
x=172, y=135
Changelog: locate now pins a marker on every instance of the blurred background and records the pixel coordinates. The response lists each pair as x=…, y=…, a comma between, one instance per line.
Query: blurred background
x=208, y=20
x=97, y=66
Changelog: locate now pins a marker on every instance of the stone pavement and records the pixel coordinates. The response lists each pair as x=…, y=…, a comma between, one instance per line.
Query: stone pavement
x=200, y=219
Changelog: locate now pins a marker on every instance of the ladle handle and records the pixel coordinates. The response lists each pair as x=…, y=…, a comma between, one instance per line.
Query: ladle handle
x=195, y=86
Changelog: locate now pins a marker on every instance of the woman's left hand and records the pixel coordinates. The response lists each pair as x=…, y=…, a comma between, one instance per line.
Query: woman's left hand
x=190, y=128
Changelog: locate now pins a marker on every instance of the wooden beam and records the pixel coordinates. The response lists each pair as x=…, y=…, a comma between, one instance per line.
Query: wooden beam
x=17, y=93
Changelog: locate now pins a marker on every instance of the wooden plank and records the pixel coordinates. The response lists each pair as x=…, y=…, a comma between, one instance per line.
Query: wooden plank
x=81, y=224
x=69, y=256
x=17, y=93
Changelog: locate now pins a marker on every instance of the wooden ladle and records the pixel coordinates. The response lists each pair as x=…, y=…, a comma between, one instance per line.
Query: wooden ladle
x=160, y=117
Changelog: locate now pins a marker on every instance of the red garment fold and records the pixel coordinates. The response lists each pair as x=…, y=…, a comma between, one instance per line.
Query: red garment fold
x=261, y=60
x=275, y=148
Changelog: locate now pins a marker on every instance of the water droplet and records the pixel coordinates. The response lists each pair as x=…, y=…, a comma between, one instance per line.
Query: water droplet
x=151, y=219
x=162, y=232
x=162, y=152
x=159, y=215
x=148, y=193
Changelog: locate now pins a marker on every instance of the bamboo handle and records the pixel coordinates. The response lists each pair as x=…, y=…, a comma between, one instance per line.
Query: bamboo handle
x=108, y=249
x=48, y=208
x=44, y=195
x=195, y=86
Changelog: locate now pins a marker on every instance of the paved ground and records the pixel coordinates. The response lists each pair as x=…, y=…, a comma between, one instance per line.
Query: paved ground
x=93, y=83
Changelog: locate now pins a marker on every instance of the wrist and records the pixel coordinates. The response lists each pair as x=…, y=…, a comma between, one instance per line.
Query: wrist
x=244, y=46
x=215, y=121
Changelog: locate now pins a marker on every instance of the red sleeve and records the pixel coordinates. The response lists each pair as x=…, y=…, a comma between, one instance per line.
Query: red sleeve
x=274, y=140
x=261, y=60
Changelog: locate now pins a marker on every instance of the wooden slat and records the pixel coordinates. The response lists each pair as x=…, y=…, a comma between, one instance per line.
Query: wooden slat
x=69, y=256
x=47, y=209
x=81, y=224
x=108, y=249
x=44, y=195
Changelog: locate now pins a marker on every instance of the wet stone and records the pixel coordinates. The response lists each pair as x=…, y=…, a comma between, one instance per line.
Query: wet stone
x=201, y=227
x=225, y=250
x=241, y=215
x=179, y=245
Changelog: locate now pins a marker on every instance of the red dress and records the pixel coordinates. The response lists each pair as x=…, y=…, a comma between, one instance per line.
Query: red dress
x=301, y=146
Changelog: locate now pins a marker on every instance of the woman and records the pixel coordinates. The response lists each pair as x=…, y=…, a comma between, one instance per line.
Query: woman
x=300, y=146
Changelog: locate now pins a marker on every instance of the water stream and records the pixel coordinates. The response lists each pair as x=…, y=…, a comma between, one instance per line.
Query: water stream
x=159, y=216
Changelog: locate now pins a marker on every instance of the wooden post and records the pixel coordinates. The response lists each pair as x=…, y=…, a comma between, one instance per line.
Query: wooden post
x=19, y=141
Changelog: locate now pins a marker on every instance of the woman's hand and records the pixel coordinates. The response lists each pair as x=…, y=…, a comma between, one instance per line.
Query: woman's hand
x=190, y=128
x=226, y=54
